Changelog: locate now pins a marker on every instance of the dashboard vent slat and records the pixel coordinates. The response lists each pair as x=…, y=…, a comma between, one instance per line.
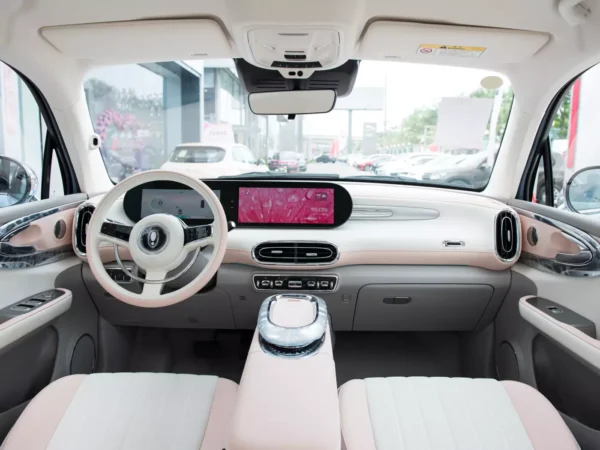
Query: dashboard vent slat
x=295, y=253
x=507, y=236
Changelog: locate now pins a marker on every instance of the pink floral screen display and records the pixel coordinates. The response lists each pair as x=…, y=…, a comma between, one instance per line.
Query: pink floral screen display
x=286, y=205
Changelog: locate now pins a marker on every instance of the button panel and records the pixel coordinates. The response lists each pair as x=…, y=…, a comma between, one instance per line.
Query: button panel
x=319, y=283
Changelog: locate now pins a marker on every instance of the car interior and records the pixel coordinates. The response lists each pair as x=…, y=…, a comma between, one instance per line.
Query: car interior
x=319, y=304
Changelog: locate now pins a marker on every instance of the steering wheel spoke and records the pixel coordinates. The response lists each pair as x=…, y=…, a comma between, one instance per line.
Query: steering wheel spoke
x=199, y=236
x=115, y=233
x=154, y=282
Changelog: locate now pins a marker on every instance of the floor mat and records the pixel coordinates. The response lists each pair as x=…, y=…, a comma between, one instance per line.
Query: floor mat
x=357, y=354
x=366, y=354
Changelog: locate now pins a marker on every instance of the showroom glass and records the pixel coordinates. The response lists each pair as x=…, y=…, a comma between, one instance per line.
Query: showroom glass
x=574, y=136
x=404, y=122
x=22, y=137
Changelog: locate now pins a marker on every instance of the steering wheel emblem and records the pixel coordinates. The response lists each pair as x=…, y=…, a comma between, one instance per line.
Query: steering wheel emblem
x=153, y=239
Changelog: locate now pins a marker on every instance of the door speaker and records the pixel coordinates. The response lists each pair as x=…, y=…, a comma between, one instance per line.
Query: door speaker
x=83, y=360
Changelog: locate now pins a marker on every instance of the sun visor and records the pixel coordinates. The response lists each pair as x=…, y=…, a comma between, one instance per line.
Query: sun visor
x=141, y=41
x=448, y=44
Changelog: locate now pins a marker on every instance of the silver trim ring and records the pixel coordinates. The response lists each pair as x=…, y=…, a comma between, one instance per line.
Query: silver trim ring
x=293, y=338
x=166, y=280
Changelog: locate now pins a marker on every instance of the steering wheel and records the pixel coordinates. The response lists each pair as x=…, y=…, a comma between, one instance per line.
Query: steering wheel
x=158, y=243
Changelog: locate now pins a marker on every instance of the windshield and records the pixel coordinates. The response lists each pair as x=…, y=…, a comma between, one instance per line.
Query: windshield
x=400, y=121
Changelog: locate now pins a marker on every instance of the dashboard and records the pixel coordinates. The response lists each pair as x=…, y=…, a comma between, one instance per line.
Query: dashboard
x=247, y=204
x=365, y=248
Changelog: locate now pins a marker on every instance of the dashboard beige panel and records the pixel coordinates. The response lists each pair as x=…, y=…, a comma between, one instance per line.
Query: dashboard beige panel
x=409, y=238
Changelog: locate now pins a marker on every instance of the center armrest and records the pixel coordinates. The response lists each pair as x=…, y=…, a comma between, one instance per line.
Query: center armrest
x=283, y=400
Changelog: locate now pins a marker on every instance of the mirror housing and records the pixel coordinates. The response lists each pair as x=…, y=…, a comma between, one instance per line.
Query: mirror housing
x=18, y=183
x=582, y=192
x=292, y=102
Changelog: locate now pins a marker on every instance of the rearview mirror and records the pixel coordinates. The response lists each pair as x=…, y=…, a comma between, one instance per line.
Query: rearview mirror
x=18, y=183
x=292, y=102
x=582, y=193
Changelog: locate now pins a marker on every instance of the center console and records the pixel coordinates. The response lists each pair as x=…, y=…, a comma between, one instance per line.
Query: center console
x=288, y=391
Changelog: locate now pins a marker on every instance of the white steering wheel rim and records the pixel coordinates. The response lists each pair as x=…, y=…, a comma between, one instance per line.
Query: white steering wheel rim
x=155, y=300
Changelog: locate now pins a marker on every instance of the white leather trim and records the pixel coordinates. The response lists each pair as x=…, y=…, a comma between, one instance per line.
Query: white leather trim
x=18, y=284
x=570, y=337
x=443, y=413
x=20, y=326
x=133, y=411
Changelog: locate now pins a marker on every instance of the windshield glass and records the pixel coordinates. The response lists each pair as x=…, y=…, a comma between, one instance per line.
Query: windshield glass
x=402, y=122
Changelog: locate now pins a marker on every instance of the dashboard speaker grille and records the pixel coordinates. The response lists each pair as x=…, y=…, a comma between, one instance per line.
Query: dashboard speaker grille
x=82, y=220
x=295, y=253
x=507, y=236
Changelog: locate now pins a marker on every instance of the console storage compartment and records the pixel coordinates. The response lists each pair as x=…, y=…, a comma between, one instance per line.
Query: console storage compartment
x=421, y=307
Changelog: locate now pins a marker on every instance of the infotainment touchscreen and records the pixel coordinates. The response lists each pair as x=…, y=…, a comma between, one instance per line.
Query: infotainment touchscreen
x=286, y=205
x=183, y=203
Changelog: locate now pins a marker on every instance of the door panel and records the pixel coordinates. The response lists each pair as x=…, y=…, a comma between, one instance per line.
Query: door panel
x=542, y=349
x=45, y=354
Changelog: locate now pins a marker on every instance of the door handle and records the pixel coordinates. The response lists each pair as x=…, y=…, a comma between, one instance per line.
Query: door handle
x=574, y=259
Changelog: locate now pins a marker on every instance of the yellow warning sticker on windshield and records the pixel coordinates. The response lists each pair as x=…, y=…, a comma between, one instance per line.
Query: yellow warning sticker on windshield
x=450, y=50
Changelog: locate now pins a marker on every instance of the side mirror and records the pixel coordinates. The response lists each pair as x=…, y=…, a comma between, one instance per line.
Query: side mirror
x=582, y=192
x=18, y=183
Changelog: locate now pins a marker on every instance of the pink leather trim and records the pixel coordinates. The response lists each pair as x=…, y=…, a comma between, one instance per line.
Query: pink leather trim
x=357, y=432
x=37, y=424
x=22, y=317
x=219, y=421
x=40, y=233
x=287, y=403
x=544, y=426
x=550, y=240
x=352, y=258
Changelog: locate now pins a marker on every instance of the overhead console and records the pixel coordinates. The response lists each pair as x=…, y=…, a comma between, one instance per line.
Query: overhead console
x=247, y=203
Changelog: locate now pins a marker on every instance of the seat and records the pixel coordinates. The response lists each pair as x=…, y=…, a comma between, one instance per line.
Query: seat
x=449, y=413
x=127, y=411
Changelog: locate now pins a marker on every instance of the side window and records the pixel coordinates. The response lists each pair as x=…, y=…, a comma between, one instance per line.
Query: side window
x=23, y=140
x=570, y=147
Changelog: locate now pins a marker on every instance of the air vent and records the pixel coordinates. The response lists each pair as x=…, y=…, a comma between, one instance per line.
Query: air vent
x=295, y=253
x=507, y=236
x=82, y=220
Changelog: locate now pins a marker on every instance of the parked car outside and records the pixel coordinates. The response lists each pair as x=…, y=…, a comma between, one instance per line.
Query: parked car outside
x=558, y=174
x=285, y=161
x=302, y=166
x=213, y=161
x=405, y=163
x=325, y=158
x=468, y=171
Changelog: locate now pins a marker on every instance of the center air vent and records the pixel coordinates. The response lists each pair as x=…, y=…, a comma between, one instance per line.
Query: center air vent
x=80, y=226
x=507, y=236
x=295, y=253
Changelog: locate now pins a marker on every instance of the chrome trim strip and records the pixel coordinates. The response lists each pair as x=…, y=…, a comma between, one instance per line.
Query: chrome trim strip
x=453, y=243
x=9, y=229
x=518, y=236
x=300, y=340
x=253, y=253
x=75, y=232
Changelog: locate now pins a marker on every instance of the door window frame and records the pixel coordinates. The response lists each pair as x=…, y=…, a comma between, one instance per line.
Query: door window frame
x=53, y=142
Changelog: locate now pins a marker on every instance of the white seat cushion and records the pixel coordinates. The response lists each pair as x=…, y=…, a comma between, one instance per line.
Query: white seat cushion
x=449, y=413
x=127, y=411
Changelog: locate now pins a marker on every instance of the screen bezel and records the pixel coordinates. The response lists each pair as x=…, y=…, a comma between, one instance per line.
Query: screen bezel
x=230, y=200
